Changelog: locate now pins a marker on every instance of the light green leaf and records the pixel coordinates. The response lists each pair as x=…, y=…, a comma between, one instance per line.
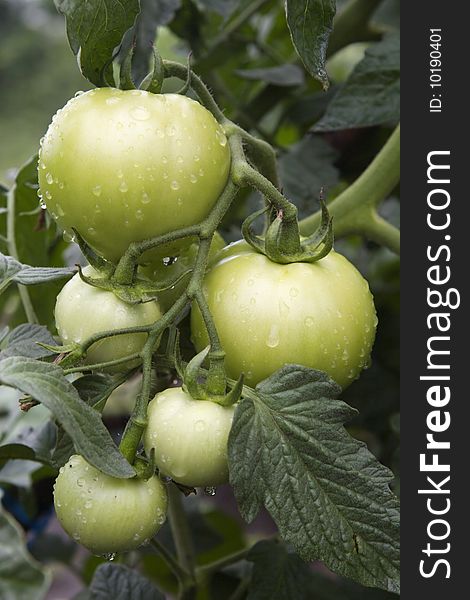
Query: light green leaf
x=329, y=496
x=45, y=382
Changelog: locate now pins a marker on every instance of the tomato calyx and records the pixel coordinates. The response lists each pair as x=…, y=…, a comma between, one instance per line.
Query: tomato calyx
x=145, y=469
x=204, y=391
x=152, y=82
x=282, y=242
x=142, y=290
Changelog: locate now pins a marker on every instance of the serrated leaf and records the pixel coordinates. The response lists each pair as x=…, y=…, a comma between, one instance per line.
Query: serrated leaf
x=23, y=341
x=310, y=24
x=329, y=496
x=118, y=582
x=306, y=169
x=95, y=29
x=277, y=573
x=282, y=75
x=371, y=95
x=20, y=575
x=45, y=382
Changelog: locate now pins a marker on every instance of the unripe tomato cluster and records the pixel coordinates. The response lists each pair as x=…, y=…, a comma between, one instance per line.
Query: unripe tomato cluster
x=125, y=166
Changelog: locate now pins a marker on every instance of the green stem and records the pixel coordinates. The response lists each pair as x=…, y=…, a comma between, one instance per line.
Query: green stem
x=236, y=23
x=102, y=365
x=243, y=586
x=381, y=231
x=222, y=563
x=352, y=209
x=183, y=540
x=171, y=562
x=352, y=25
x=13, y=251
x=244, y=174
x=174, y=69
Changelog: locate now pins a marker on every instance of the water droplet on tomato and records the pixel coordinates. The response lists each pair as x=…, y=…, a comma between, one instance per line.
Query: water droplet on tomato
x=199, y=426
x=179, y=159
x=145, y=198
x=192, y=178
x=48, y=195
x=49, y=178
x=112, y=100
x=272, y=340
x=170, y=130
x=140, y=113
x=97, y=191
x=293, y=292
x=175, y=185
x=309, y=321
x=123, y=187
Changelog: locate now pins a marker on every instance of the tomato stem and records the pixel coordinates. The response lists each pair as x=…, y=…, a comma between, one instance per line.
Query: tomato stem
x=181, y=535
x=181, y=574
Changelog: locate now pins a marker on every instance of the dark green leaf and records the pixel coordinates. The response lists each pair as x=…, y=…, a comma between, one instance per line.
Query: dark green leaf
x=371, y=95
x=329, y=496
x=46, y=383
x=305, y=169
x=284, y=75
x=277, y=573
x=20, y=575
x=118, y=582
x=23, y=341
x=310, y=23
x=95, y=29
x=154, y=14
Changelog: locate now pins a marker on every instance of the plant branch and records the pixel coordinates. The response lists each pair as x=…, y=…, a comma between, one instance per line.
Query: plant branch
x=352, y=25
x=174, y=566
x=222, y=563
x=13, y=251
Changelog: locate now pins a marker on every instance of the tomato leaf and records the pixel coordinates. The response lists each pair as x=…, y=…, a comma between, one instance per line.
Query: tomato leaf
x=34, y=444
x=45, y=382
x=95, y=30
x=305, y=169
x=20, y=575
x=13, y=271
x=277, y=573
x=371, y=95
x=310, y=23
x=329, y=496
x=118, y=582
x=23, y=341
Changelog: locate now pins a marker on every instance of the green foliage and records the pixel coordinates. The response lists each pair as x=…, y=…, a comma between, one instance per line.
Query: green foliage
x=329, y=496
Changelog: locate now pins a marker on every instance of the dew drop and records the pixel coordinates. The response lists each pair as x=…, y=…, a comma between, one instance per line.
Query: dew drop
x=48, y=195
x=170, y=130
x=179, y=159
x=139, y=215
x=166, y=479
x=80, y=482
x=200, y=426
x=97, y=191
x=145, y=198
x=221, y=138
x=140, y=113
x=42, y=165
x=112, y=100
x=109, y=556
x=192, y=178
x=284, y=308
x=49, y=178
x=309, y=321
x=196, y=158
x=123, y=187
x=79, y=93
x=273, y=337
x=175, y=185
x=164, y=160
x=293, y=292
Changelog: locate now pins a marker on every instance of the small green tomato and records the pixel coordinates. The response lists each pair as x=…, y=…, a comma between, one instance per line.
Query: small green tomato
x=106, y=514
x=190, y=438
x=83, y=310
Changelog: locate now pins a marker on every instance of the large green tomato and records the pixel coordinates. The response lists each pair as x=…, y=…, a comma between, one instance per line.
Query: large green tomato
x=320, y=315
x=162, y=270
x=190, y=438
x=82, y=310
x=106, y=514
x=124, y=166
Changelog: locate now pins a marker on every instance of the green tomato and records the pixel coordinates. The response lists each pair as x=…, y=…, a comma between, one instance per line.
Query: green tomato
x=320, y=315
x=82, y=310
x=124, y=166
x=106, y=514
x=163, y=270
x=190, y=438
